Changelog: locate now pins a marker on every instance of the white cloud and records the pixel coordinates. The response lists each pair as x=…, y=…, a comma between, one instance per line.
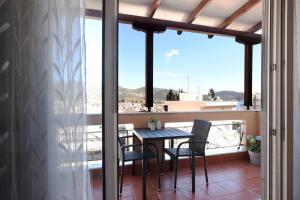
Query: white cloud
x=171, y=53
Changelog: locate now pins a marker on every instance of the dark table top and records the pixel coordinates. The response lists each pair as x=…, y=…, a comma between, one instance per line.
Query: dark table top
x=160, y=134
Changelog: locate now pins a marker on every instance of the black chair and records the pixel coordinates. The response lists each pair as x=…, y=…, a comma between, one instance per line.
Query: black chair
x=196, y=148
x=133, y=155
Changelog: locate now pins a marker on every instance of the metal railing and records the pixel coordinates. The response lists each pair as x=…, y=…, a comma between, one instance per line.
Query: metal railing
x=220, y=136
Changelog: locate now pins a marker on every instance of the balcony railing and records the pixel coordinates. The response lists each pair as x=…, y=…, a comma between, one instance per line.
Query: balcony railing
x=229, y=128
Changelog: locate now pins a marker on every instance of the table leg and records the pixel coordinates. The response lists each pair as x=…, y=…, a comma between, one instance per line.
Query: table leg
x=134, y=140
x=144, y=171
x=160, y=145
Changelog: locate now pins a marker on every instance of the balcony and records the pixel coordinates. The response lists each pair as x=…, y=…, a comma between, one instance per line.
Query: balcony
x=230, y=173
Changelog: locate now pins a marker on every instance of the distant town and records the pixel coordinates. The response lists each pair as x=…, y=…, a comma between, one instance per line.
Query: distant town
x=167, y=100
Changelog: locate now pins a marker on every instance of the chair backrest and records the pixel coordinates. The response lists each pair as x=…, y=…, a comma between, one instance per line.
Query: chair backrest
x=121, y=143
x=200, y=130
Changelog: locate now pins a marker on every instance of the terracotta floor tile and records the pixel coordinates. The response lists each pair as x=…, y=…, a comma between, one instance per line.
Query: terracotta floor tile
x=171, y=195
x=232, y=186
x=232, y=180
x=127, y=191
x=238, y=196
x=199, y=194
x=251, y=183
x=214, y=190
x=149, y=196
x=257, y=192
x=219, y=177
x=127, y=198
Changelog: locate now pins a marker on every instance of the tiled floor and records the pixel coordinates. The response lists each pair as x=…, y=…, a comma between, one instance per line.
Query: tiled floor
x=238, y=180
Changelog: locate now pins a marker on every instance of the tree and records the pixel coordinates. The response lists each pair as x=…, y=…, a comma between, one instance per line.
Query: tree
x=212, y=95
x=172, y=96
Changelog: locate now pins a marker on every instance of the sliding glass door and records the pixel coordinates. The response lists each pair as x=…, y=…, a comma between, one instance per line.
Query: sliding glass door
x=101, y=78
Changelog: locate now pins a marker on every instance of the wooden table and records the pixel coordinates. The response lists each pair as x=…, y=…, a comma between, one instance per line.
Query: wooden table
x=146, y=135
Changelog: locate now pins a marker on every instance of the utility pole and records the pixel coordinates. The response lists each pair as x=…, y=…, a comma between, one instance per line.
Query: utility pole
x=198, y=96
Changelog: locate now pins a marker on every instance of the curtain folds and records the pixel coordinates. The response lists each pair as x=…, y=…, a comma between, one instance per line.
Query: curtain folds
x=42, y=100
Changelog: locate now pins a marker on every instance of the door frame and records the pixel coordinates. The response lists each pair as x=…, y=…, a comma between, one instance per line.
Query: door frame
x=110, y=99
x=277, y=123
x=277, y=91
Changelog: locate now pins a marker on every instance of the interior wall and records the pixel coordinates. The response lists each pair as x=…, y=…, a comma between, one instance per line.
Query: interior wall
x=296, y=77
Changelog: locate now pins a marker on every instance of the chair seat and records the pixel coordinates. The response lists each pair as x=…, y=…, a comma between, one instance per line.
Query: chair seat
x=182, y=152
x=138, y=155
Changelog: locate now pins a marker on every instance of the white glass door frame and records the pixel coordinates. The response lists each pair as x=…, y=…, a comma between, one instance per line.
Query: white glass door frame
x=277, y=123
x=110, y=98
x=276, y=80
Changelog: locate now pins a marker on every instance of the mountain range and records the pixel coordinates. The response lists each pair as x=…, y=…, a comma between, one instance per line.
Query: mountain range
x=160, y=94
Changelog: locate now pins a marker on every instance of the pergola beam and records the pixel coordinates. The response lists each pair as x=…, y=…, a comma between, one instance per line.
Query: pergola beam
x=187, y=27
x=197, y=10
x=129, y=19
x=242, y=10
x=255, y=28
x=153, y=8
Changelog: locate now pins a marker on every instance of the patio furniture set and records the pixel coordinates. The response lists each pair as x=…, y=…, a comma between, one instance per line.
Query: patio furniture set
x=152, y=147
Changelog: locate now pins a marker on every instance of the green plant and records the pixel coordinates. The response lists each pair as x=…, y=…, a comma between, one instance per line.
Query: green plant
x=253, y=144
x=152, y=120
x=212, y=95
x=236, y=125
x=172, y=96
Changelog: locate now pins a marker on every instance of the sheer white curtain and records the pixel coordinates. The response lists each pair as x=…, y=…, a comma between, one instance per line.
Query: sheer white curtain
x=42, y=100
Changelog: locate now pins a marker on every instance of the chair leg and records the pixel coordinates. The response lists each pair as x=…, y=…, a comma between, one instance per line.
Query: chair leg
x=133, y=168
x=193, y=173
x=158, y=173
x=205, y=168
x=191, y=168
x=122, y=174
x=176, y=169
x=148, y=166
x=162, y=157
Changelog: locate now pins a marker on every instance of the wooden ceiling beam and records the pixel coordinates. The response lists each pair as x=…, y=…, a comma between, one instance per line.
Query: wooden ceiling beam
x=255, y=28
x=242, y=10
x=129, y=19
x=197, y=10
x=153, y=8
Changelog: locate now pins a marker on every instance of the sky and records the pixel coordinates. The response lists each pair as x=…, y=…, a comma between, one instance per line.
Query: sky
x=216, y=63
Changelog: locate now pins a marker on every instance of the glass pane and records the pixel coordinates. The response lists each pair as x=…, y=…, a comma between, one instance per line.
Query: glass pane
x=256, y=77
x=194, y=73
x=131, y=69
x=93, y=35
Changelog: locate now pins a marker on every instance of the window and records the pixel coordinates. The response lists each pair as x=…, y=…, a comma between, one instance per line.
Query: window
x=131, y=69
x=192, y=66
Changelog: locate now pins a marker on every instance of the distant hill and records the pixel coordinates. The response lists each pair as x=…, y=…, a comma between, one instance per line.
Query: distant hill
x=139, y=93
x=160, y=94
x=227, y=96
